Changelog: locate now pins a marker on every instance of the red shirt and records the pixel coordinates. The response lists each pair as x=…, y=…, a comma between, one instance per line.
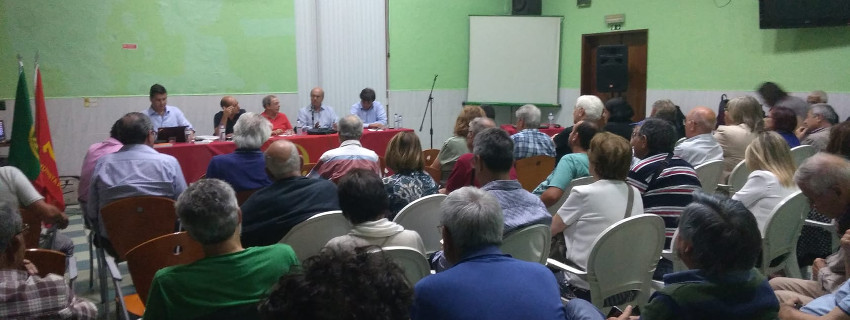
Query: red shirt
x=279, y=122
x=463, y=174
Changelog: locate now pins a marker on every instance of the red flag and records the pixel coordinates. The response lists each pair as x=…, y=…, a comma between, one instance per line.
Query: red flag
x=47, y=182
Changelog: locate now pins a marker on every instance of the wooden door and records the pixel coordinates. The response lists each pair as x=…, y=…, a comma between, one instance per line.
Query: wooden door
x=637, y=43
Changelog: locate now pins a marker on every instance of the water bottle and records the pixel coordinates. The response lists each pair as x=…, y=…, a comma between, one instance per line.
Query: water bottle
x=395, y=120
x=551, y=121
x=221, y=135
x=298, y=126
x=189, y=132
x=398, y=122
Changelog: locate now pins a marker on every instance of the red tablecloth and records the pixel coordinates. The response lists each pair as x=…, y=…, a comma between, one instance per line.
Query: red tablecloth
x=195, y=157
x=551, y=132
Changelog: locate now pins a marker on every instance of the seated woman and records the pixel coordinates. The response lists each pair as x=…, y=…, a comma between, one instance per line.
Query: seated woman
x=410, y=182
x=620, y=118
x=743, y=120
x=592, y=208
x=784, y=122
x=571, y=166
x=364, y=202
x=772, y=179
x=245, y=168
x=455, y=146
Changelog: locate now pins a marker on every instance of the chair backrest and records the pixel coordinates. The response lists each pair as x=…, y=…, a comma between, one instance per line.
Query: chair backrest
x=429, y=155
x=530, y=243
x=709, y=174
x=423, y=216
x=34, y=222
x=435, y=174
x=47, y=261
x=412, y=262
x=243, y=196
x=147, y=258
x=738, y=177
x=779, y=241
x=622, y=260
x=306, y=168
x=801, y=153
x=131, y=221
x=532, y=170
x=310, y=236
x=553, y=209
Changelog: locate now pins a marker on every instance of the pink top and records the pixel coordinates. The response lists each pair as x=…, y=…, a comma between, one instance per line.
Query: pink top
x=96, y=151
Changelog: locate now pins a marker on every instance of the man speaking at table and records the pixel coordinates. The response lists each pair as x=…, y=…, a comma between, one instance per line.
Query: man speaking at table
x=371, y=112
x=161, y=114
x=317, y=115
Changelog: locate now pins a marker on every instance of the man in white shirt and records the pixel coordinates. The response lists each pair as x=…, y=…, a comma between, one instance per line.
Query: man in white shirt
x=371, y=112
x=700, y=146
x=161, y=114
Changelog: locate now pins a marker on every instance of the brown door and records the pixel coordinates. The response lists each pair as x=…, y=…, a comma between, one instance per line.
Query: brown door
x=636, y=41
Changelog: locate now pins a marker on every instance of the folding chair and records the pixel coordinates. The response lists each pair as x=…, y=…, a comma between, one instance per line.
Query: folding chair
x=801, y=153
x=412, y=262
x=529, y=244
x=423, y=216
x=709, y=174
x=779, y=241
x=532, y=170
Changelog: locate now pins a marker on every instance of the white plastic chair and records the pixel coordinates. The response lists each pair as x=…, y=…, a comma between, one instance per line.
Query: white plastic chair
x=828, y=227
x=737, y=178
x=423, y=216
x=530, y=243
x=801, y=153
x=622, y=261
x=709, y=174
x=310, y=236
x=412, y=262
x=670, y=254
x=779, y=242
x=553, y=209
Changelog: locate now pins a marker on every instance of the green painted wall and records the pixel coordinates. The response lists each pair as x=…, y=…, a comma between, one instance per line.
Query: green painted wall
x=189, y=46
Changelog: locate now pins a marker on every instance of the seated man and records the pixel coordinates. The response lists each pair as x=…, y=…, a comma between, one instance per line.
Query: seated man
x=463, y=173
x=161, y=114
x=816, y=126
x=227, y=117
x=280, y=123
x=23, y=294
x=228, y=275
x=316, y=115
x=333, y=164
x=587, y=108
x=95, y=151
x=271, y=212
x=21, y=193
x=571, y=166
x=244, y=169
x=369, y=111
x=700, y=146
x=529, y=141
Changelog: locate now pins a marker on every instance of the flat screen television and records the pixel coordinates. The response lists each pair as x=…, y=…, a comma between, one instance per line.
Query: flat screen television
x=780, y=14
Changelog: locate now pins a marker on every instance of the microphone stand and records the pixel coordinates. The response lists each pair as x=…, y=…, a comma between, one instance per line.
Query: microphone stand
x=429, y=105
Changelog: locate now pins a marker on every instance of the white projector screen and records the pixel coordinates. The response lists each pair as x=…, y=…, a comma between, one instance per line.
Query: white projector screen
x=514, y=59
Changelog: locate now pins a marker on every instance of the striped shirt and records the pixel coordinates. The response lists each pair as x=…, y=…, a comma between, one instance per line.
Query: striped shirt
x=335, y=163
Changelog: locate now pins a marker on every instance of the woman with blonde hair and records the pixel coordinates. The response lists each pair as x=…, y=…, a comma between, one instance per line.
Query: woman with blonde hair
x=772, y=179
x=455, y=146
x=409, y=181
x=743, y=119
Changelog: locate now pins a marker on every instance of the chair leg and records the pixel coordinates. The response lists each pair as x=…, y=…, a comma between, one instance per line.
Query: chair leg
x=104, y=285
x=91, y=265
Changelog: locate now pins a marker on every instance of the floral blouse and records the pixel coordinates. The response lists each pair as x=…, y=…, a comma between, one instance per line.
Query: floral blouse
x=403, y=188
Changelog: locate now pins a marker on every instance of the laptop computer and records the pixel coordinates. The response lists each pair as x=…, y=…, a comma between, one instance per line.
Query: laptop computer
x=165, y=133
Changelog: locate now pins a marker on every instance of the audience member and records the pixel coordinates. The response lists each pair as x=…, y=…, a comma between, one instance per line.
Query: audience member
x=700, y=146
x=587, y=108
x=317, y=115
x=743, y=120
x=369, y=111
x=784, y=122
x=342, y=285
x=227, y=117
x=133, y=171
x=95, y=151
x=271, y=111
x=489, y=112
x=817, y=96
x=409, y=181
x=839, y=140
x=816, y=126
x=228, y=275
x=665, y=109
x=244, y=168
x=21, y=193
x=161, y=114
x=23, y=294
x=350, y=155
x=529, y=141
x=774, y=96
x=364, y=202
x=463, y=174
x=271, y=212
x=771, y=179
x=620, y=117
x=592, y=208
x=571, y=166
x=455, y=146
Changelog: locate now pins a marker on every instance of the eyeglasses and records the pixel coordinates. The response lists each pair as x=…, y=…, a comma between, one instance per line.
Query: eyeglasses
x=24, y=228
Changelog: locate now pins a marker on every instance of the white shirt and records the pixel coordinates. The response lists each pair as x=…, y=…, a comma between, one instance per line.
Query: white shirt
x=699, y=149
x=761, y=194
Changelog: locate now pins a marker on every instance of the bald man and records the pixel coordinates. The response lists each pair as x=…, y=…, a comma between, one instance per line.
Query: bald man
x=700, y=145
x=317, y=115
x=230, y=112
x=272, y=211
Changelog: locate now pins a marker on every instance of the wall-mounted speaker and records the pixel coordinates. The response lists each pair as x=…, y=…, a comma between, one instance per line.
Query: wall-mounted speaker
x=612, y=68
x=527, y=7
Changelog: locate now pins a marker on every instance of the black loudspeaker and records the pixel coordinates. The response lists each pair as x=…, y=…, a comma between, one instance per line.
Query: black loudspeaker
x=527, y=7
x=612, y=68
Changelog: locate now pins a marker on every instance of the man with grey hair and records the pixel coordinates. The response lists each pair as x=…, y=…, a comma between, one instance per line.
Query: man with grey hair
x=271, y=212
x=244, y=169
x=228, y=275
x=133, y=171
x=529, y=141
x=817, y=96
x=700, y=145
x=334, y=163
x=816, y=126
x=271, y=111
x=463, y=173
x=24, y=294
x=665, y=109
x=588, y=108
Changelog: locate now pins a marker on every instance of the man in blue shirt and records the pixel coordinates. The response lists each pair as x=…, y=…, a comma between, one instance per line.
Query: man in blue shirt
x=161, y=114
x=317, y=115
x=371, y=112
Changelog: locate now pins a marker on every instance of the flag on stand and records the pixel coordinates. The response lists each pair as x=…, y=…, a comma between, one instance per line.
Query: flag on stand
x=47, y=182
x=23, y=151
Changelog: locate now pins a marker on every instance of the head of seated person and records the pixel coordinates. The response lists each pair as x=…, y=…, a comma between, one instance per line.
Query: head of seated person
x=528, y=117
x=654, y=136
x=283, y=160
x=744, y=110
x=589, y=108
x=362, y=196
x=770, y=152
x=494, y=155
x=619, y=109
x=839, y=140
x=135, y=128
x=209, y=213
x=461, y=128
x=11, y=236
x=404, y=153
x=472, y=220
x=350, y=128
x=610, y=157
x=251, y=131
x=781, y=119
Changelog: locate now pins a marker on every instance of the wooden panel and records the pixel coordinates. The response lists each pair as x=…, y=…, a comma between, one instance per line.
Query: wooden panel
x=637, y=44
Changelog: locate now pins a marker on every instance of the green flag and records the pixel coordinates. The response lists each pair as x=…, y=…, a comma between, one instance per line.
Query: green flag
x=23, y=152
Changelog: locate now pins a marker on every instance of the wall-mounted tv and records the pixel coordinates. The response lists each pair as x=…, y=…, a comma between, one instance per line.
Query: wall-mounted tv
x=778, y=14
